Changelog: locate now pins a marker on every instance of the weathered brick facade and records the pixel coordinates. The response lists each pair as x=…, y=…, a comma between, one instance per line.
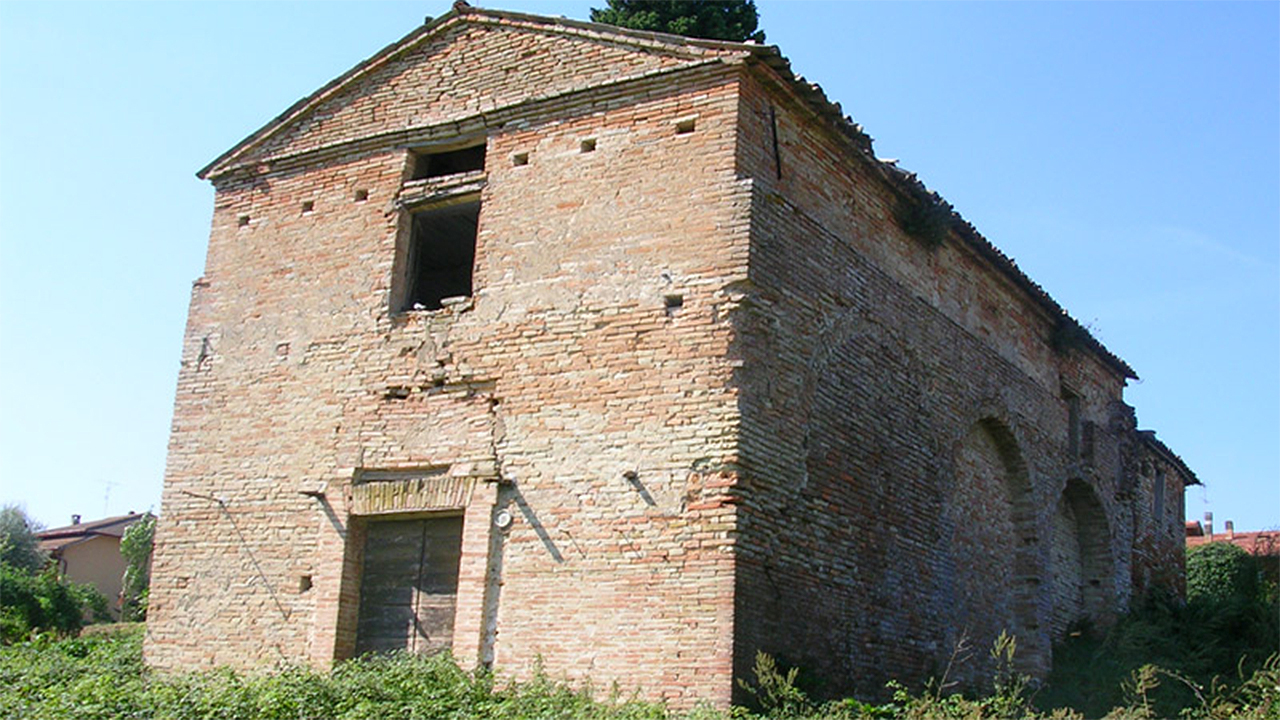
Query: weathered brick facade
x=705, y=397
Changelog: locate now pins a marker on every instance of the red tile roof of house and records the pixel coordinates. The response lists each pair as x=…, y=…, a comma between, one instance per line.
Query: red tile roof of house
x=1257, y=542
x=55, y=539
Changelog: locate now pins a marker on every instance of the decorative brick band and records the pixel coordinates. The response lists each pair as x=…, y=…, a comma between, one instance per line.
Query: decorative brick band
x=432, y=490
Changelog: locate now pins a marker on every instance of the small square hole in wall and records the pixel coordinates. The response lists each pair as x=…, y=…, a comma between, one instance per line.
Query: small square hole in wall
x=243, y=221
x=362, y=195
x=520, y=159
x=308, y=206
x=672, y=303
x=304, y=583
x=683, y=127
x=588, y=145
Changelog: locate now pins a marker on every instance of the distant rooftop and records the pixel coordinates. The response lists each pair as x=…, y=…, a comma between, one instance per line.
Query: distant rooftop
x=57, y=538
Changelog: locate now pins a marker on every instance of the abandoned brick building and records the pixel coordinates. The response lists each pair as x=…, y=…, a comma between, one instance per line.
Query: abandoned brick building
x=535, y=338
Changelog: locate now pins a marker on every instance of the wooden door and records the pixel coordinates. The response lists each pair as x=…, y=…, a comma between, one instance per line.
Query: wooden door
x=409, y=588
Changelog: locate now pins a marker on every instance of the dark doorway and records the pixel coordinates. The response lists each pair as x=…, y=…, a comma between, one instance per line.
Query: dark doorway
x=409, y=587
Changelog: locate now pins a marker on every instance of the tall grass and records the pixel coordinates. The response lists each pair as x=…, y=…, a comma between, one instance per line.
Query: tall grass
x=100, y=676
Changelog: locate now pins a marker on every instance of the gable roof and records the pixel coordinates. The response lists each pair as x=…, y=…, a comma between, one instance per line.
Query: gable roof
x=57, y=538
x=674, y=47
x=694, y=51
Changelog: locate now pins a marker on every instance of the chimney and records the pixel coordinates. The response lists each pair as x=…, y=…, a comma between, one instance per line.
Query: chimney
x=1231, y=530
x=75, y=519
x=1208, y=525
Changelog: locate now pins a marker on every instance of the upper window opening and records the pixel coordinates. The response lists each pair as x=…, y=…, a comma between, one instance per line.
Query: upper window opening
x=1073, y=421
x=439, y=164
x=442, y=253
x=1157, y=499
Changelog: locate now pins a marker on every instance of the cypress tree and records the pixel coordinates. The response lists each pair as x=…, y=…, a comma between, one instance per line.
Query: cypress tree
x=733, y=20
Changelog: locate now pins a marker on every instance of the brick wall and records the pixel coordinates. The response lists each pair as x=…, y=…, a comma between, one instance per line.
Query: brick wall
x=906, y=440
x=727, y=402
x=572, y=377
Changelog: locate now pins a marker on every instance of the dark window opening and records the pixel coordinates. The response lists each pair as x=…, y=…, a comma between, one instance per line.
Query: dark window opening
x=1157, y=499
x=1073, y=422
x=442, y=253
x=429, y=165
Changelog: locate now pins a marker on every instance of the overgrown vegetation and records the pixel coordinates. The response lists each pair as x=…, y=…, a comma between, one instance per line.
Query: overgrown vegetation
x=733, y=20
x=32, y=602
x=926, y=217
x=101, y=677
x=1171, y=658
x=33, y=597
x=135, y=547
x=1211, y=658
x=1068, y=335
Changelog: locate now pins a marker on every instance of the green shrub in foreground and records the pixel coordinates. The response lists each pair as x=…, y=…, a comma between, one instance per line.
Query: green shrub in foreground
x=102, y=677
x=44, y=602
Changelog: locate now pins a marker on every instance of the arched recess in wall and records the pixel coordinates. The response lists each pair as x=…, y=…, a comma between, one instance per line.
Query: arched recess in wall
x=1083, y=570
x=995, y=549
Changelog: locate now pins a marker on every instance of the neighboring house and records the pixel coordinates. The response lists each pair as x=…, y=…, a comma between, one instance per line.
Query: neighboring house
x=89, y=552
x=547, y=341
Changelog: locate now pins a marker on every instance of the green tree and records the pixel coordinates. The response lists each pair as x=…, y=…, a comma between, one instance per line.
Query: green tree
x=19, y=547
x=136, y=546
x=733, y=20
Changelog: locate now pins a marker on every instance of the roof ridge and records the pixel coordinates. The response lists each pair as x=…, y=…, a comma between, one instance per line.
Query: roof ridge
x=463, y=12
x=90, y=526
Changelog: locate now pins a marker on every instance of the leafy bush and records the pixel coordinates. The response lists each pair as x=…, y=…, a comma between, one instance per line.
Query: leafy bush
x=1200, y=653
x=31, y=603
x=1221, y=572
x=101, y=677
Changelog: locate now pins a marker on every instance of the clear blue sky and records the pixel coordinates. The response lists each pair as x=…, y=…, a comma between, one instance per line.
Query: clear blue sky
x=1127, y=155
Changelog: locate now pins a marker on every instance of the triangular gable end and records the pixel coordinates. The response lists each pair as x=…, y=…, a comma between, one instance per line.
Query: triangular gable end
x=468, y=62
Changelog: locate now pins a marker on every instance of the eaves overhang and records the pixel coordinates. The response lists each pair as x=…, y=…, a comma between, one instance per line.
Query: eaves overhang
x=1159, y=448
